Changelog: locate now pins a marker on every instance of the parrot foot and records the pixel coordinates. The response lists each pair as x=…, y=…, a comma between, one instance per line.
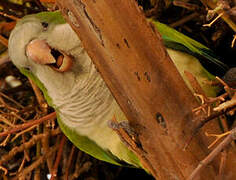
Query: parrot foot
x=126, y=133
x=130, y=138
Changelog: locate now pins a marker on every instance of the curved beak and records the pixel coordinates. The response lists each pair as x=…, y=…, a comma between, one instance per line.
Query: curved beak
x=40, y=52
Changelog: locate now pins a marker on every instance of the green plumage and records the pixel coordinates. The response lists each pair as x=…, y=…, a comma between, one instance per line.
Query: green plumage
x=81, y=99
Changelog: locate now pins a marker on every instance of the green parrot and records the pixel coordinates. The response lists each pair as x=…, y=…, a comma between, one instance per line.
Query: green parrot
x=46, y=49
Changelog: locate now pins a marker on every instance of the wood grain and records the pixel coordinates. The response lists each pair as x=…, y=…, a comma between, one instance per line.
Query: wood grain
x=129, y=54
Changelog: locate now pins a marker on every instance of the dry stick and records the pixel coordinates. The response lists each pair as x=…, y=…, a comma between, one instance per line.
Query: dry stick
x=69, y=162
x=36, y=163
x=214, y=153
x=189, y=6
x=26, y=153
x=225, y=16
x=29, y=124
x=43, y=106
x=78, y=165
x=233, y=41
x=6, y=121
x=3, y=169
x=12, y=100
x=21, y=148
x=26, y=145
x=39, y=96
x=184, y=20
x=58, y=158
x=37, y=155
x=202, y=121
x=84, y=168
x=45, y=147
x=4, y=41
x=222, y=163
x=21, y=165
x=9, y=16
x=23, y=132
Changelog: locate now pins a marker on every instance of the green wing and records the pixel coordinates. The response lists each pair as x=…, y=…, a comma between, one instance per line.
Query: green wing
x=91, y=148
x=178, y=41
x=82, y=142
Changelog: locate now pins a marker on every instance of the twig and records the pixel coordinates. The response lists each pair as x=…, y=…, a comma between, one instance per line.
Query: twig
x=6, y=121
x=21, y=148
x=184, y=20
x=194, y=83
x=42, y=103
x=17, y=116
x=183, y=4
x=29, y=124
x=233, y=41
x=69, y=162
x=22, y=165
x=212, y=22
x=36, y=163
x=222, y=163
x=4, y=41
x=58, y=158
x=45, y=147
x=22, y=132
x=218, y=137
x=3, y=169
x=225, y=16
x=203, y=120
x=85, y=167
x=213, y=154
x=4, y=143
x=12, y=100
x=227, y=104
x=14, y=18
x=26, y=152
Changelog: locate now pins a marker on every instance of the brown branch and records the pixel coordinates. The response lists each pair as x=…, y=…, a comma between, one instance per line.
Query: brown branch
x=202, y=121
x=69, y=162
x=58, y=157
x=36, y=163
x=213, y=154
x=39, y=96
x=24, y=146
x=129, y=54
x=29, y=124
x=4, y=41
x=225, y=16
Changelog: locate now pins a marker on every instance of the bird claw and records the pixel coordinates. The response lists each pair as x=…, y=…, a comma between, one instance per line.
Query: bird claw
x=125, y=132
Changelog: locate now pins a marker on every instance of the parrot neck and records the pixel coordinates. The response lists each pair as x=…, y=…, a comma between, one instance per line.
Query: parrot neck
x=88, y=101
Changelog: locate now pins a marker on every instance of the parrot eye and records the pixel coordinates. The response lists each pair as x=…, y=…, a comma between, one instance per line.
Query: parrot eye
x=41, y=53
x=45, y=25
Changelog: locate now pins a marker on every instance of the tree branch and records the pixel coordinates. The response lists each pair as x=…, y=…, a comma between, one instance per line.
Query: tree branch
x=129, y=54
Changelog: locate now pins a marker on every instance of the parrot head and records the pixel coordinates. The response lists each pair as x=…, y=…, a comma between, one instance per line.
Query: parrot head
x=48, y=50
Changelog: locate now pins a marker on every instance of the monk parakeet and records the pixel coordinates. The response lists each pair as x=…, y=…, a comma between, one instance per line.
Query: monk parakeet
x=46, y=49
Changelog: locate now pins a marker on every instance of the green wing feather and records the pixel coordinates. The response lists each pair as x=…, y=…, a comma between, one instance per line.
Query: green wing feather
x=82, y=142
x=90, y=147
x=176, y=40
